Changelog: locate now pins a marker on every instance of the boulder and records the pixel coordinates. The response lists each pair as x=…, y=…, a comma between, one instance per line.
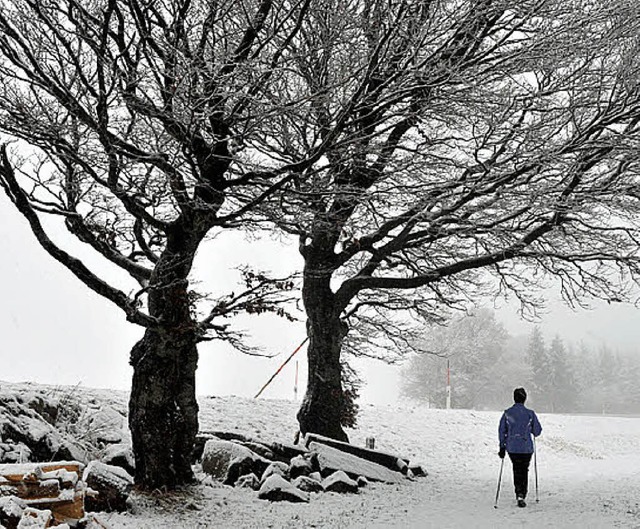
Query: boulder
x=331, y=459
x=248, y=481
x=218, y=455
x=376, y=456
x=11, y=509
x=120, y=455
x=260, y=449
x=245, y=465
x=11, y=452
x=276, y=467
x=306, y=484
x=418, y=471
x=113, y=485
x=35, y=519
x=276, y=488
x=22, y=424
x=300, y=466
x=316, y=476
x=339, y=482
x=286, y=452
x=198, y=446
x=362, y=482
x=105, y=425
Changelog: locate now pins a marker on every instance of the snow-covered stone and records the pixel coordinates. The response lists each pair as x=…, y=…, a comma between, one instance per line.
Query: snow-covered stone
x=307, y=484
x=385, y=459
x=362, y=482
x=105, y=425
x=113, y=485
x=218, y=455
x=11, y=509
x=418, y=471
x=331, y=459
x=240, y=466
x=300, y=466
x=35, y=519
x=21, y=425
x=120, y=455
x=248, y=481
x=260, y=449
x=316, y=476
x=278, y=468
x=339, y=482
x=276, y=488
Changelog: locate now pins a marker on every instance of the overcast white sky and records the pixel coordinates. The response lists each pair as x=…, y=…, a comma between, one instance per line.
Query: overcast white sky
x=54, y=330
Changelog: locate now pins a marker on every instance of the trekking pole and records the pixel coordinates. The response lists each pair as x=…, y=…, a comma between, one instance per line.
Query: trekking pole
x=495, y=505
x=535, y=467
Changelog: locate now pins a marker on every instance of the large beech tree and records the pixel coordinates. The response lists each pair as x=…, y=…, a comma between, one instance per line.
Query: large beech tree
x=475, y=147
x=133, y=122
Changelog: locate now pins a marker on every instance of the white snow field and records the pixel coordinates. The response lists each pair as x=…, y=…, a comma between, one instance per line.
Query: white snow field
x=588, y=468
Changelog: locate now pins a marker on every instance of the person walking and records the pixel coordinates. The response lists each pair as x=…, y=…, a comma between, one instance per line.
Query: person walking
x=517, y=425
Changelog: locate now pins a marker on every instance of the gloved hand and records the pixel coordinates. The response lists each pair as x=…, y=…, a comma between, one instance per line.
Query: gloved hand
x=501, y=452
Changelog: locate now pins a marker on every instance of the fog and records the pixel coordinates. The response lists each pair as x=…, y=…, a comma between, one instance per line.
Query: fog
x=56, y=331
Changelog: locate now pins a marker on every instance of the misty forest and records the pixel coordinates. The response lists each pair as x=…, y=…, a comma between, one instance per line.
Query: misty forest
x=486, y=363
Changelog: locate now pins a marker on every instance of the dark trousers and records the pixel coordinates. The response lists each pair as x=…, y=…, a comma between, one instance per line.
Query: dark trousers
x=520, y=473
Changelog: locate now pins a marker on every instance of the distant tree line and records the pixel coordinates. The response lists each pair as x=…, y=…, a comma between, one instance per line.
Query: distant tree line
x=486, y=363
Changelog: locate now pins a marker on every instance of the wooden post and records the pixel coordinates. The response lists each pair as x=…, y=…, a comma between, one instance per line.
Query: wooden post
x=448, y=386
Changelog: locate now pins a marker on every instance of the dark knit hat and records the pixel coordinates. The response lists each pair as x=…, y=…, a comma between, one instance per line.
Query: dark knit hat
x=519, y=395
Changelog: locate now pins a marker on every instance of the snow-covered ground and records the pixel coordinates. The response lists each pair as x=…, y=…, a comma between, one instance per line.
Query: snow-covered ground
x=588, y=468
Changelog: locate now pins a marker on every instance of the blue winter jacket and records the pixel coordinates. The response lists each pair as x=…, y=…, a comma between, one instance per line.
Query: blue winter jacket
x=516, y=426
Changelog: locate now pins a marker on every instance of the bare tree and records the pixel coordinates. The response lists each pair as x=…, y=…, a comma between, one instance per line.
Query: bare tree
x=470, y=147
x=132, y=122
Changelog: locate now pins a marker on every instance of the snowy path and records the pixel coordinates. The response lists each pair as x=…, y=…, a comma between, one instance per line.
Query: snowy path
x=589, y=469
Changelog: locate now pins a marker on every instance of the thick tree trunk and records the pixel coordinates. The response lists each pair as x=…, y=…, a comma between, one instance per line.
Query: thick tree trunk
x=323, y=403
x=163, y=411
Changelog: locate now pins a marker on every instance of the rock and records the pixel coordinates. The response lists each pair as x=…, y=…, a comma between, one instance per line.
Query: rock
x=120, y=455
x=106, y=425
x=276, y=467
x=227, y=436
x=286, y=452
x=14, y=453
x=418, y=471
x=276, y=488
x=198, y=446
x=91, y=521
x=113, y=485
x=24, y=426
x=300, y=466
x=376, y=456
x=307, y=484
x=331, y=459
x=11, y=509
x=316, y=476
x=260, y=449
x=339, y=482
x=245, y=465
x=248, y=481
x=35, y=519
x=218, y=454
x=133, y=505
x=362, y=482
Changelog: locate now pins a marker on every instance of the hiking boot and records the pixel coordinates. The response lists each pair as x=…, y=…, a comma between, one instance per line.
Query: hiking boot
x=521, y=502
